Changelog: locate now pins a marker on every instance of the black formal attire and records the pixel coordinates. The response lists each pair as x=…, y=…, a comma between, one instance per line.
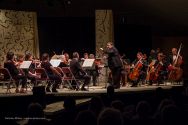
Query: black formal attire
x=115, y=65
x=52, y=76
x=160, y=72
x=17, y=76
x=78, y=72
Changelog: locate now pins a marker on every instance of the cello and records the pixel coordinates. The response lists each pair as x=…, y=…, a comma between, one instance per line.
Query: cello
x=176, y=73
x=134, y=74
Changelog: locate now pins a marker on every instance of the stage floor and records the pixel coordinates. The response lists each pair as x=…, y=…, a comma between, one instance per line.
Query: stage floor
x=93, y=90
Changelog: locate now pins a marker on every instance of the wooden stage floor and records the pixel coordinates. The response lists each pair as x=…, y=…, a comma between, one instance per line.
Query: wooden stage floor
x=93, y=90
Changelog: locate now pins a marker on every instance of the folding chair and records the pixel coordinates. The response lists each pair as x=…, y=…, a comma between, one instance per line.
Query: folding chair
x=6, y=78
x=69, y=77
x=61, y=72
x=42, y=76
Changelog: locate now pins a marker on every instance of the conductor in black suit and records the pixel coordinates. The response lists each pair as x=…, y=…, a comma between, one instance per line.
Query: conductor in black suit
x=114, y=63
x=78, y=72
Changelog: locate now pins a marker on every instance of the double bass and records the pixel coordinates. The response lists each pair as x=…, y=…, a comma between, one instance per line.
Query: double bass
x=177, y=72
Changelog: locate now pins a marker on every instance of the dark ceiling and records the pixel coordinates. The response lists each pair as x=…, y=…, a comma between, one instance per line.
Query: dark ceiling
x=162, y=15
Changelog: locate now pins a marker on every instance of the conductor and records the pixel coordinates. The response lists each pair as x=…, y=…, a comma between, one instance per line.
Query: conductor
x=114, y=63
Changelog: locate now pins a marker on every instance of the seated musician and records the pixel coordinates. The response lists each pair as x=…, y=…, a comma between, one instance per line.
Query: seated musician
x=139, y=67
x=15, y=72
x=125, y=71
x=152, y=56
x=67, y=59
x=77, y=70
x=94, y=72
x=53, y=74
x=159, y=70
x=63, y=62
x=20, y=59
x=30, y=73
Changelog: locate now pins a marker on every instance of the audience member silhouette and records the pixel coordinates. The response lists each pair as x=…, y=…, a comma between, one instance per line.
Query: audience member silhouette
x=110, y=116
x=86, y=117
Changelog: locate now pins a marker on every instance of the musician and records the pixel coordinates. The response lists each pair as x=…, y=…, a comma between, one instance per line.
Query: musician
x=114, y=63
x=94, y=72
x=176, y=67
x=30, y=73
x=52, y=73
x=126, y=70
x=81, y=60
x=173, y=56
x=159, y=70
x=152, y=56
x=142, y=64
x=15, y=72
x=19, y=60
x=63, y=62
x=78, y=72
x=67, y=59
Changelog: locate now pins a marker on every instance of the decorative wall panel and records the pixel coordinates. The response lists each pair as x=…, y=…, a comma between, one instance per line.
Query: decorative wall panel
x=104, y=33
x=18, y=33
x=104, y=28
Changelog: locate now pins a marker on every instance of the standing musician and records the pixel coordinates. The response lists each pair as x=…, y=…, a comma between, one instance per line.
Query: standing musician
x=10, y=64
x=52, y=73
x=158, y=70
x=114, y=63
x=138, y=71
x=78, y=72
x=176, y=61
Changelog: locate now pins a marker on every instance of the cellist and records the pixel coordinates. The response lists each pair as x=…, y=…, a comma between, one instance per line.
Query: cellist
x=158, y=72
x=138, y=71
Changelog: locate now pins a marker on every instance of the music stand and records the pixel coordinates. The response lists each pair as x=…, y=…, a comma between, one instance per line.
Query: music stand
x=55, y=62
x=25, y=64
x=88, y=63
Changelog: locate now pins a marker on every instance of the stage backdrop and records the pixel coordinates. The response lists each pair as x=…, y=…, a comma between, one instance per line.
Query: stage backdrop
x=18, y=33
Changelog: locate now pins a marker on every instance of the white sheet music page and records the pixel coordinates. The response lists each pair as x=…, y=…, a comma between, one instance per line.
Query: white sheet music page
x=55, y=62
x=25, y=64
x=88, y=62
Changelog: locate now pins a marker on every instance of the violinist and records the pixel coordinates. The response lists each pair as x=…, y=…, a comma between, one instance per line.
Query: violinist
x=138, y=71
x=15, y=72
x=78, y=71
x=67, y=59
x=94, y=72
x=30, y=73
x=63, y=62
x=52, y=73
x=20, y=59
x=158, y=71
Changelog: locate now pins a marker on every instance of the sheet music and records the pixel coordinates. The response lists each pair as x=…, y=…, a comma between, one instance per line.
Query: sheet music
x=88, y=63
x=25, y=64
x=55, y=62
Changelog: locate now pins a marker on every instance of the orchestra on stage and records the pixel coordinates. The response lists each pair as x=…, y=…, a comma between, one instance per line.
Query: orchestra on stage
x=68, y=70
